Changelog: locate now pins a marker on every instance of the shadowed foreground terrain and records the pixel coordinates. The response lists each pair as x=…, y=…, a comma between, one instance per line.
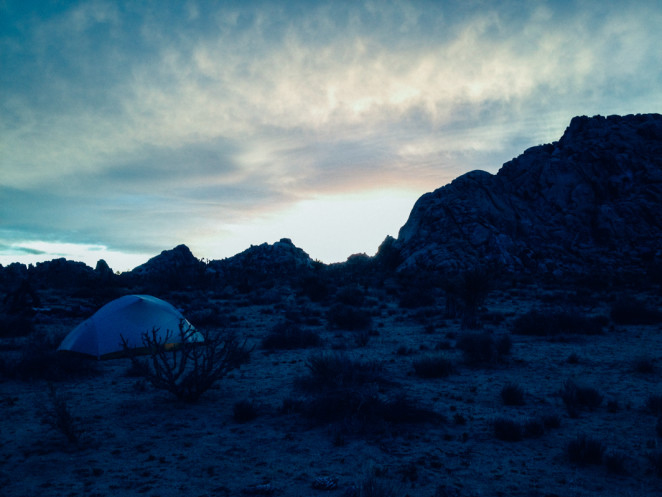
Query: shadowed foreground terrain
x=433, y=415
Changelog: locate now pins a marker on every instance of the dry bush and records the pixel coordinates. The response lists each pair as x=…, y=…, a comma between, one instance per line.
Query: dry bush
x=61, y=417
x=512, y=395
x=341, y=389
x=553, y=323
x=584, y=450
x=288, y=336
x=483, y=348
x=632, y=311
x=189, y=368
x=433, y=366
x=347, y=317
x=577, y=397
x=245, y=410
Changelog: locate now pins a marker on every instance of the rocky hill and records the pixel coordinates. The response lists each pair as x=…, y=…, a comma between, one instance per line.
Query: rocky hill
x=179, y=261
x=280, y=258
x=589, y=201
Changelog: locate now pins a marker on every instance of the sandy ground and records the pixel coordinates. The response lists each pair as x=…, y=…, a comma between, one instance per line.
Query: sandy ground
x=138, y=441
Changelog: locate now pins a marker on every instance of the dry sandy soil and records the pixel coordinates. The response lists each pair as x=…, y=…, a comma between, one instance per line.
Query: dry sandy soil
x=139, y=441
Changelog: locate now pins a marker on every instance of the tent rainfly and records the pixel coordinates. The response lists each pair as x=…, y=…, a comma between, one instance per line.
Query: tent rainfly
x=129, y=317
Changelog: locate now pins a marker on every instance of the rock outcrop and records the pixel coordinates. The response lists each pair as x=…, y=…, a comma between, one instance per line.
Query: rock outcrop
x=280, y=258
x=179, y=261
x=589, y=201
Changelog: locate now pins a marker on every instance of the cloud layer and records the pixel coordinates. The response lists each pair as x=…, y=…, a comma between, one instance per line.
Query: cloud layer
x=136, y=127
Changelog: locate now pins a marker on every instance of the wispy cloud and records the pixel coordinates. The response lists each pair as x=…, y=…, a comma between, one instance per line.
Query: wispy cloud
x=141, y=127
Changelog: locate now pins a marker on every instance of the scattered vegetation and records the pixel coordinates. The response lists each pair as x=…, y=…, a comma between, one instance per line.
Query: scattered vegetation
x=188, y=368
x=352, y=392
x=654, y=404
x=579, y=397
x=584, y=450
x=512, y=430
x=289, y=335
x=15, y=325
x=61, y=417
x=508, y=429
x=245, y=411
x=39, y=359
x=616, y=462
x=372, y=487
x=433, y=366
x=347, y=317
x=483, y=348
x=512, y=395
x=655, y=460
x=554, y=323
x=644, y=365
x=631, y=311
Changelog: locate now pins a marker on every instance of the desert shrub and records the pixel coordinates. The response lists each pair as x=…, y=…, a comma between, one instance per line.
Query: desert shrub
x=585, y=450
x=347, y=317
x=361, y=338
x=573, y=358
x=508, y=429
x=39, y=360
x=577, y=397
x=644, y=365
x=15, y=325
x=138, y=368
x=552, y=323
x=551, y=421
x=473, y=289
x=61, y=417
x=433, y=366
x=351, y=295
x=372, y=487
x=534, y=428
x=615, y=462
x=459, y=419
x=208, y=318
x=189, y=368
x=244, y=411
x=655, y=460
x=402, y=409
x=634, y=312
x=416, y=297
x=343, y=390
x=512, y=395
x=314, y=287
x=654, y=404
x=288, y=335
x=480, y=348
x=504, y=345
x=512, y=430
x=335, y=370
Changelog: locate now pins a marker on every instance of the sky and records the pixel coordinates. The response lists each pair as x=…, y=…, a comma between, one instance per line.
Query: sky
x=127, y=128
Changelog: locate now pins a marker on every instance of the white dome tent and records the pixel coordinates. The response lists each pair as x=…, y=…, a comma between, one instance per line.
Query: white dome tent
x=127, y=317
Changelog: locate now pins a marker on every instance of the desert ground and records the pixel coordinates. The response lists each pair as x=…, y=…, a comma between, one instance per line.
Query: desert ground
x=133, y=439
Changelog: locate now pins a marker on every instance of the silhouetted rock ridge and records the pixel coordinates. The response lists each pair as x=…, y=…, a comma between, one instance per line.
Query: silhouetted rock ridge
x=590, y=200
x=281, y=257
x=178, y=260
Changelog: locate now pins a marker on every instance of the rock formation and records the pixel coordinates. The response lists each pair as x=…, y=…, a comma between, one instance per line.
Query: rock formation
x=179, y=261
x=280, y=258
x=589, y=201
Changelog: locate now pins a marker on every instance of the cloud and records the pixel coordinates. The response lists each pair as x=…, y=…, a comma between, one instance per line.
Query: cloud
x=139, y=127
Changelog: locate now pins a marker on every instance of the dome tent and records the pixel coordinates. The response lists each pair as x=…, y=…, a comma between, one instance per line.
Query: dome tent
x=127, y=317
